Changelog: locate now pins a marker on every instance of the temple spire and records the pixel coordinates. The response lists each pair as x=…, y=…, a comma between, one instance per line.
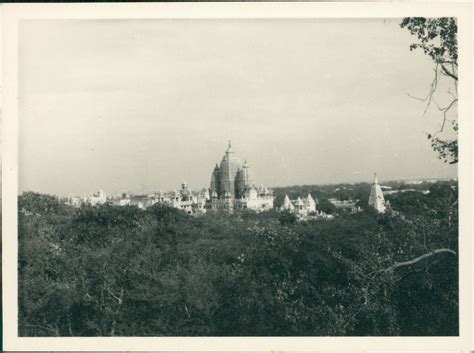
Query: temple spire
x=229, y=148
x=376, y=198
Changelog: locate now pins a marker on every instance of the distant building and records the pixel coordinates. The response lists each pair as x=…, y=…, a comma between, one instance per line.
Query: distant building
x=232, y=187
x=74, y=201
x=304, y=208
x=140, y=201
x=376, y=199
x=183, y=199
x=186, y=201
x=349, y=205
x=287, y=205
x=98, y=198
x=122, y=200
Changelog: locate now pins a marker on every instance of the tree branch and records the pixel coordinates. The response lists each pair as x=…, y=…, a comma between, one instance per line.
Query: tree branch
x=117, y=298
x=445, y=111
x=418, y=259
x=120, y=301
x=448, y=73
x=433, y=86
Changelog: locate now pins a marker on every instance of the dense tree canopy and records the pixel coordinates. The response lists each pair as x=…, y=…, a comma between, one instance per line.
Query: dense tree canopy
x=106, y=270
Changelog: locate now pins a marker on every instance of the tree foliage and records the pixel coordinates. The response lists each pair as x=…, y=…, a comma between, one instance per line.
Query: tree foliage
x=437, y=37
x=121, y=271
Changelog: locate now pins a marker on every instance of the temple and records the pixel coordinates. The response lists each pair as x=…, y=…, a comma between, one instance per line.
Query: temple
x=232, y=187
x=303, y=208
x=376, y=199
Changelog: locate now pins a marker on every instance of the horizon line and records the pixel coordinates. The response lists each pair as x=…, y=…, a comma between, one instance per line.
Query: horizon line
x=270, y=187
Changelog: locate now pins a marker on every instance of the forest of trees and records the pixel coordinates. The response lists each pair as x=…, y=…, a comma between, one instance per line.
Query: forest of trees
x=122, y=271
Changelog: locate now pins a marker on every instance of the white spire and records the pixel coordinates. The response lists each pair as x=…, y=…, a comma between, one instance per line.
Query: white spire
x=375, y=179
x=376, y=199
x=310, y=203
x=287, y=205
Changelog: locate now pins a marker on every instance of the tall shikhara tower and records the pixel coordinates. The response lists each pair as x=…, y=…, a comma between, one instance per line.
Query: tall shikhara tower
x=376, y=199
x=232, y=187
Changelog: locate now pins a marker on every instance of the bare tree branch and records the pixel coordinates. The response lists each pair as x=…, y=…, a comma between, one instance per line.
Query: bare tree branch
x=452, y=94
x=445, y=111
x=431, y=92
x=448, y=73
x=417, y=259
x=119, y=301
x=117, y=298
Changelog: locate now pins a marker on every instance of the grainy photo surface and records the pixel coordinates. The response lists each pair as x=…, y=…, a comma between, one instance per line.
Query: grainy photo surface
x=239, y=177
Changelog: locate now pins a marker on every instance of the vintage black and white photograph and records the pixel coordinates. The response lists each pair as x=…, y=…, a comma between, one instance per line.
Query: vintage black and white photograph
x=204, y=177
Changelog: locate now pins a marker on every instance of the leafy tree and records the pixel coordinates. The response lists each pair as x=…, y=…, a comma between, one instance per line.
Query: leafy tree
x=326, y=206
x=437, y=37
x=287, y=218
x=40, y=204
x=122, y=271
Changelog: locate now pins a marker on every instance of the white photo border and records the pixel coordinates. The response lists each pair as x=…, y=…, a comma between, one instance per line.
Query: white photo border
x=13, y=13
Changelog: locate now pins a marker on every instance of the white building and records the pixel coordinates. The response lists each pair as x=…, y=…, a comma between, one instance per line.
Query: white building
x=256, y=199
x=98, y=198
x=74, y=201
x=349, y=205
x=123, y=201
x=287, y=205
x=186, y=201
x=304, y=208
x=376, y=199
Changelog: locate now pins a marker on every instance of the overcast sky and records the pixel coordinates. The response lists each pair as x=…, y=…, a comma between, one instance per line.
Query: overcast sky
x=143, y=105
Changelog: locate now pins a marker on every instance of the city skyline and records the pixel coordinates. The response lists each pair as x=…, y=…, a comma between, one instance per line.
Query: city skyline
x=140, y=106
x=197, y=188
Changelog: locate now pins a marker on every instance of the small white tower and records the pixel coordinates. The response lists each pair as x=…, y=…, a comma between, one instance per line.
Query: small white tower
x=287, y=205
x=376, y=199
x=310, y=203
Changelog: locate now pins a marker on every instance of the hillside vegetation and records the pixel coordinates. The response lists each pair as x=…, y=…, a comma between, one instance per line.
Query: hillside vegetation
x=122, y=271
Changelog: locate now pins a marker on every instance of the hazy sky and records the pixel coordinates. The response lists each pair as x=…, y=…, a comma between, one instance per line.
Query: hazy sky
x=145, y=104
